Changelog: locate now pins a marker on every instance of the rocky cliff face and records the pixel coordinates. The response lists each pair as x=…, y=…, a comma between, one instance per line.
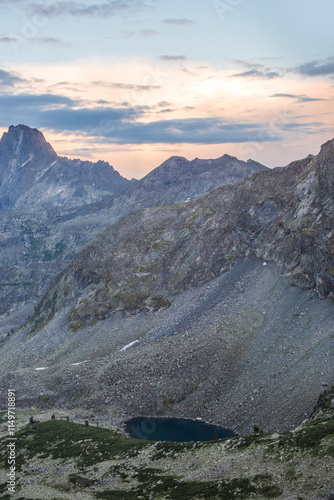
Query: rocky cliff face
x=33, y=176
x=285, y=215
x=52, y=207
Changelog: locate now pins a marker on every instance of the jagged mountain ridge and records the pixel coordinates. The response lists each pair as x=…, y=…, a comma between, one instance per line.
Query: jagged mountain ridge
x=190, y=179
x=40, y=233
x=33, y=176
x=285, y=215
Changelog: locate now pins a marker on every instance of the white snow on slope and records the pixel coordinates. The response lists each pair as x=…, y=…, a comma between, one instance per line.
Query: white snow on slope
x=129, y=345
x=80, y=363
x=26, y=162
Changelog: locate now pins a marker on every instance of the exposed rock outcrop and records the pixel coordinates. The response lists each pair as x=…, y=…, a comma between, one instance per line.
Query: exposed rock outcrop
x=284, y=215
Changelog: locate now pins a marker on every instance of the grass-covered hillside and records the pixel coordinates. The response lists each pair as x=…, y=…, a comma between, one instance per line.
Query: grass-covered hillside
x=58, y=459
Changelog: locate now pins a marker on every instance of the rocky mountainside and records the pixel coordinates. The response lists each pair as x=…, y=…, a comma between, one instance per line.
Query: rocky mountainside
x=185, y=180
x=220, y=308
x=285, y=215
x=53, y=206
x=33, y=176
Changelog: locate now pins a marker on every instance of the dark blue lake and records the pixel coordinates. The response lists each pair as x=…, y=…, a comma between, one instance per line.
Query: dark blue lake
x=175, y=429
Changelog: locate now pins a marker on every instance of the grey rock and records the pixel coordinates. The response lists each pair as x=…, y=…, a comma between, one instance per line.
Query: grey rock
x=33, y=176
x=52, y=207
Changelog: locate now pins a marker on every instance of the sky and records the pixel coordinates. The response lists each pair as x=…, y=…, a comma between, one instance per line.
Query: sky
x=134, y=82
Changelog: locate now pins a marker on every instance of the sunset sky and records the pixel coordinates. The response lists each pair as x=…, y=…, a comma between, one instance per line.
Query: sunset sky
x=134, y=82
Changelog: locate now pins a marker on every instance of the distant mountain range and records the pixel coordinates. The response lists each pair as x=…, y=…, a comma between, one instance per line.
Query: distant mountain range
x=50, y=206
x=33, y=176
x=156, y=301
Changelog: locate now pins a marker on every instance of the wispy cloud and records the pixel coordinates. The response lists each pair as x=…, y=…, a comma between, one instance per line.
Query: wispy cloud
x=121, y=125
x=78, y=9
x=4, y=5
x=173, y=58
x=317, y=68
x=178, y=22
x=31, y=102
x=60, y=113
x=255, y=73
x=178, y=131
x=8, y=79
x=87, y=120
x=299, y=98
x=126, y=86
x=146, y=33
x=8, y=39
x=255, y=70
x=50, y=41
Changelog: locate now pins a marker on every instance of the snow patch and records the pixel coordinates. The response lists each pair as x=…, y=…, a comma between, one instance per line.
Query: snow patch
x=41, y=368
x=80, y=363
x=129, y=345
x=23, y=164
x=45, y=170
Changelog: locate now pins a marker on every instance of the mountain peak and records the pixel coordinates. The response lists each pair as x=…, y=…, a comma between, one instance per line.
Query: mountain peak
x=23, y=143
x=32, y=174
x=327, y=149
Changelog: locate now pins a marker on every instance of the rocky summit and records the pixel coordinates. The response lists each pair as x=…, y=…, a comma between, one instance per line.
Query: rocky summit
x=32, y=175
x=179, y=298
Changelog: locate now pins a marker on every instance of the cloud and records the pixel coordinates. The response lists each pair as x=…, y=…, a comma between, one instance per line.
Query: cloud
x=317, y=68
x=44, y=41
x=130, y=34
x=163, y=104
x=255, y=70
x=87, y=120
x=178, y=22
x=8, y=39
x=146, y=33
x=60, y=112
x=50, y=41
x=255, y=73
x=33, y=102
x=78, y=9
x=126, y=86
x=178, y=131
x=299, y=98
x=173, y=58
x=5, y=2
x=8, y=79
x=121, y=125
x=309, y=128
